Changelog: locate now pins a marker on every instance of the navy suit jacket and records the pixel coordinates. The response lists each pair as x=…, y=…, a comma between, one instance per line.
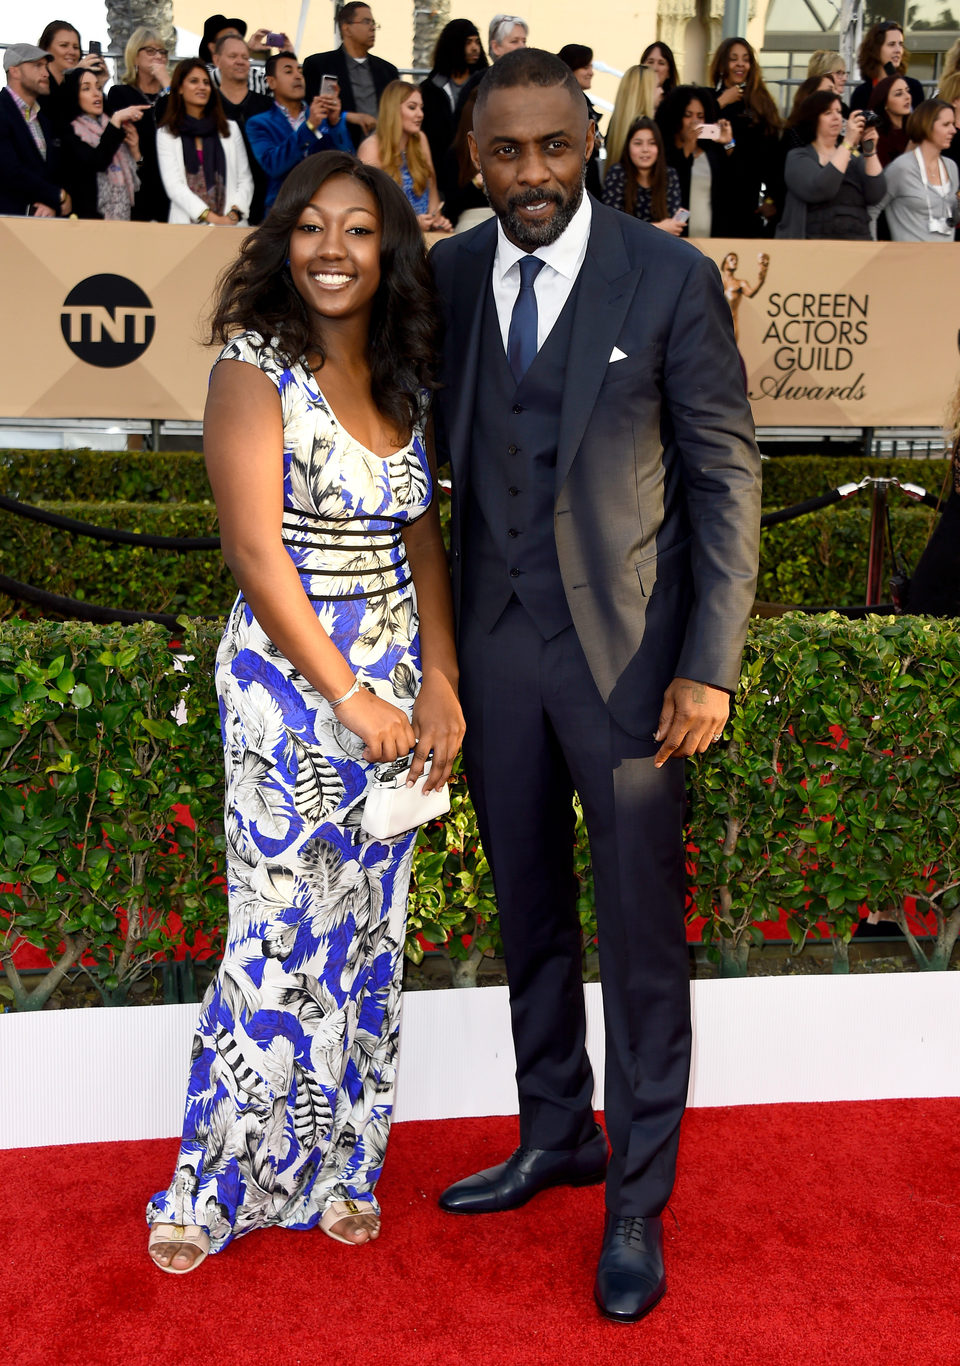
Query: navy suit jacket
x=25, y=178
x=335, y=64
x=657, y=493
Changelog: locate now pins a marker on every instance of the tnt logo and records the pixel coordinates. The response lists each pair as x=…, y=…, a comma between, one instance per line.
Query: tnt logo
x=107, y=320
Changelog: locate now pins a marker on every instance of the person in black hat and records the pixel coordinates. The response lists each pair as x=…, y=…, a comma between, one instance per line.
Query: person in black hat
x=30, y=180
x=218, y=26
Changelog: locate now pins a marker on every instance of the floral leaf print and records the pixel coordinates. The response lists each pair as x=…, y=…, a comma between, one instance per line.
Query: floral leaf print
x=318, y=788
x=291, y=1086
x=404, y=681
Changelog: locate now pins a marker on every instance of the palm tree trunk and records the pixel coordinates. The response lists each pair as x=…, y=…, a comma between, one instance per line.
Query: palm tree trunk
x=123, y=16
x=429, y=17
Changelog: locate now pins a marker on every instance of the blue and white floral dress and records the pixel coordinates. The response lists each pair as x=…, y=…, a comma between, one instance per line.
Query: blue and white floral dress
x=290, y=1092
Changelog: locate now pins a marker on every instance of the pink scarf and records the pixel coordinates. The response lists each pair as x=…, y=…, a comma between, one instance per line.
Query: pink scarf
x=122, y=169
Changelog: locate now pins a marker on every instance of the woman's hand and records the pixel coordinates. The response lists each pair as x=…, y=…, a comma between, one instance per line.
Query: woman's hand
x=726, y=131
x=732, y=95
x=440, y=224
x=132, y=114
x=384, y=729
x=438, y=723
x=132, y=139
x=854, y=128
x=670, y=225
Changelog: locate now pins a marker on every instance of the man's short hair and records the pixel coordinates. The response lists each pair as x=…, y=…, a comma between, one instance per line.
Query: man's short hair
x=501, y=25
x=347, y=13
x=225, y=38
x=527, y=66
x=270, y=65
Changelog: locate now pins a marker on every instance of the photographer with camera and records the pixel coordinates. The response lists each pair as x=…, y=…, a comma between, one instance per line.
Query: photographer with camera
x=829, y=188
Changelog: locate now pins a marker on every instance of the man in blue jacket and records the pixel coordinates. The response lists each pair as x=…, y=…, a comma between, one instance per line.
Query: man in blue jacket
x=282, y=136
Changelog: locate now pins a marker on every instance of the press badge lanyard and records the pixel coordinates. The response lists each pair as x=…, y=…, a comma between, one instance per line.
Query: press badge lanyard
x=935, y=224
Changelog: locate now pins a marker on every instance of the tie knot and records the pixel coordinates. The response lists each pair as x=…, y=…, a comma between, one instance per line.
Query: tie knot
x=529, y=270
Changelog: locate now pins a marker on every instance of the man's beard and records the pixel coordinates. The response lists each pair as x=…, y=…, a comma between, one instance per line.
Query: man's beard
x=533, y=235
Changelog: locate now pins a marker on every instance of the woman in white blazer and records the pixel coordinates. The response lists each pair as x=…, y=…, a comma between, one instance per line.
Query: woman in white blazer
x=203, y=162
x=921, y=203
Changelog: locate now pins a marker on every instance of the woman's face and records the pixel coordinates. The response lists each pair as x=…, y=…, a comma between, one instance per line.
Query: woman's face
x=738, y=65
x=659, y=65
x=472, y=49
x=944, y=127
x=643, y=150
x=899, y=102
x=830, y=123
x=65, y=48
x=88, y=96
x=693, y=117
x=335, y=251
x=195, y=91
x=839, y=78
x=411, y=114
x=891, y=49
x=584, y=76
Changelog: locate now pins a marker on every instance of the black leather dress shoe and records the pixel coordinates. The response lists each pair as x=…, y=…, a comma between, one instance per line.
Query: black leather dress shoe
x=525, y=1174
x=630, y=1276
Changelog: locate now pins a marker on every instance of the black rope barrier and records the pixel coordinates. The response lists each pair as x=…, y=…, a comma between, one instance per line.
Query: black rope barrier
x=80, y=611
x=101, y=533
x=801, y=509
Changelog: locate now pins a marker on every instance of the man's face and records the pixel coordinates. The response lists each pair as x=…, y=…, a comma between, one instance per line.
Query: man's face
x=233, y=60
x=30, y=79
x=287, y=80
x=531, y=146
x=517, y=37
x=362, y=29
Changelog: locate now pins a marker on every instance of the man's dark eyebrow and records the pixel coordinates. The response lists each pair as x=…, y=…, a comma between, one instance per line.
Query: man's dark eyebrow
x=546, y=137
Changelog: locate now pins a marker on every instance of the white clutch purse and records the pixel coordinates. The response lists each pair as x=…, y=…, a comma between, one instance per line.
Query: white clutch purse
x=392, y=808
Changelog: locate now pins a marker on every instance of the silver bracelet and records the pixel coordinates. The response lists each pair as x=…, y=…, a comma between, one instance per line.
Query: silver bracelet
x=351, y=692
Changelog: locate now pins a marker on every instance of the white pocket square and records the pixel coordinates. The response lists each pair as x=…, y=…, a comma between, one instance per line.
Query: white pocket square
x=616, y=354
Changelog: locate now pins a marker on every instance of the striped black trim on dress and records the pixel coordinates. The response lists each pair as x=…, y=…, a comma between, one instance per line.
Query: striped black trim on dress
x=351, y=573
x=356, y=597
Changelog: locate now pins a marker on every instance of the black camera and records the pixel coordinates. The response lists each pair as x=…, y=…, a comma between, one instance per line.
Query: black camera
x=870, y=119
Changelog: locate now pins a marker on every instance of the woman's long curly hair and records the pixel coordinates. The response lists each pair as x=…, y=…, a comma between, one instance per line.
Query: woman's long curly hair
x=758, y=101
x=257, y=294
x=868, y=53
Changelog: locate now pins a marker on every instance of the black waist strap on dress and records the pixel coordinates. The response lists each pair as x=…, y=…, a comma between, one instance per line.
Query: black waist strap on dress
x=382, y=539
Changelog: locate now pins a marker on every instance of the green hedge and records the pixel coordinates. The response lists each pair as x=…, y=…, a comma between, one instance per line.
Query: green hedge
x=837, y=787
x=149, y=477
x=134, y=577
x=790, y=479
x=100, y=476
x=819, y=560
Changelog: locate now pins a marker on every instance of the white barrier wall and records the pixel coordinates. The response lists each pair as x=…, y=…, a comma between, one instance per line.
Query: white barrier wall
x=84, y=1076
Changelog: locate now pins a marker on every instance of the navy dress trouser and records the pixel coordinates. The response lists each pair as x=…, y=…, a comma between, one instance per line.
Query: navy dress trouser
x=538, y=730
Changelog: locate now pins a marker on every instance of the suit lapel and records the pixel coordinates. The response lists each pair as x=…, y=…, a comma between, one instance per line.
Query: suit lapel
x=605, y=291
x=466, y=313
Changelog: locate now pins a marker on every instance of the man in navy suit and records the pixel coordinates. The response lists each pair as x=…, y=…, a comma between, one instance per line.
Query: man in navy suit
x=29, y=147
x=606, y=504
x=362, y=76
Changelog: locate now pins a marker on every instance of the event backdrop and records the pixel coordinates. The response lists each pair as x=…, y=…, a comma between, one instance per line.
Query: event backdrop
x=105, y=320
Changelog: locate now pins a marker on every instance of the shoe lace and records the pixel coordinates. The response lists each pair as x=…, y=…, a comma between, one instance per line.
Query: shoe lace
x=629, y=1229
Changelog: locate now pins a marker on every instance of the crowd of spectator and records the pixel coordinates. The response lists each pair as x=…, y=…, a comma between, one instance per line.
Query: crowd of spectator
x=211, y=140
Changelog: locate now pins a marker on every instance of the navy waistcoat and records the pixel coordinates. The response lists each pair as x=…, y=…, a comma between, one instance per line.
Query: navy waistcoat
x=510, y=545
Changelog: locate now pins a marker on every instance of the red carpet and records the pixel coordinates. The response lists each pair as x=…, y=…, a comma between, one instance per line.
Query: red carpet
x=797, y=1234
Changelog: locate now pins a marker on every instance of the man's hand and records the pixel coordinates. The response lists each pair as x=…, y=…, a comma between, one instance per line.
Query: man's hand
x=366, y=121
x=317, y=111
x=693, y=715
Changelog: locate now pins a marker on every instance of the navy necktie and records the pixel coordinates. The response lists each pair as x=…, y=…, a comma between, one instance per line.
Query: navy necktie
x=522, y=337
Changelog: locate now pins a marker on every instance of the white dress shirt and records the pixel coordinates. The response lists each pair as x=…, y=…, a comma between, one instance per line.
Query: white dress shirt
x=562, y=261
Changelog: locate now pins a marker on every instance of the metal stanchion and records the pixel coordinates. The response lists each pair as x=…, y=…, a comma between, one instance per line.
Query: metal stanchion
x=878, y=523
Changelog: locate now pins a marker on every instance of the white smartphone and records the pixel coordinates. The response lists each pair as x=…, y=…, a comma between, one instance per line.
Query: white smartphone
x=709, y=132
x=682, y=216
x=329, y=86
